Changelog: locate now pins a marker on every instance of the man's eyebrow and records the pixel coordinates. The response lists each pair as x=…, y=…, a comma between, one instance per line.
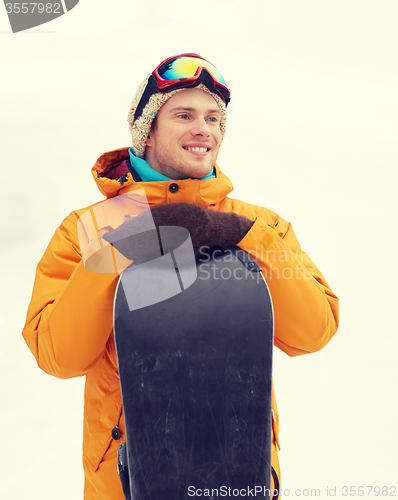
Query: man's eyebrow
x=184, y=108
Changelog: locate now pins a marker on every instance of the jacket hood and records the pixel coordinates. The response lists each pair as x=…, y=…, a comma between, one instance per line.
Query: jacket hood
x=113, y=177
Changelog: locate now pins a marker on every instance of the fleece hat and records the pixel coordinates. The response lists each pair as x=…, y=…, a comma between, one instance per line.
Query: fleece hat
x=141, y=126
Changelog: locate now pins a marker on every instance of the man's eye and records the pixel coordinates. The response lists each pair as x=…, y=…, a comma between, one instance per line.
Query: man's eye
x=183, y=116
x=213, y=119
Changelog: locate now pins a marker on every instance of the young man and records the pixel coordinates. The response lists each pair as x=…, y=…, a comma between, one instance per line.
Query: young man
x=177, y=121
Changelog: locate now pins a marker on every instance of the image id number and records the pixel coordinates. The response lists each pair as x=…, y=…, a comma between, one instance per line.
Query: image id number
x=30, y=8
x=366, y=491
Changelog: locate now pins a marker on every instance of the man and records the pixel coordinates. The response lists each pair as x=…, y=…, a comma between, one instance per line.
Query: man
x=177, y=121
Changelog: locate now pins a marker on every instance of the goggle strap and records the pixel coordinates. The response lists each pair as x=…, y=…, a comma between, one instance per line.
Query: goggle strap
x=151, y=88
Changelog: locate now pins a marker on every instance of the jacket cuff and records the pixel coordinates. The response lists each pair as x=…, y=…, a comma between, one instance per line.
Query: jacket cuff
x=259, y=234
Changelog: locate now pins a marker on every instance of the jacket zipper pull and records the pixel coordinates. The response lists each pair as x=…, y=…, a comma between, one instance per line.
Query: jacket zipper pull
x=124, y=178
x=276, y=437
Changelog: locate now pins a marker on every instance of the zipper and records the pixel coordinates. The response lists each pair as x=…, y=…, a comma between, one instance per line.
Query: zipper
x=276, y=437
x=124, y=178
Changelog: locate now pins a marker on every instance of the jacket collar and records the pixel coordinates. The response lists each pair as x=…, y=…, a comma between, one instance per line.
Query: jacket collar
x=113, y=177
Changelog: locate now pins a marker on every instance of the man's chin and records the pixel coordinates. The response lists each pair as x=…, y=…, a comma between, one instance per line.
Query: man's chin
x=195, y=174
x=198, y=171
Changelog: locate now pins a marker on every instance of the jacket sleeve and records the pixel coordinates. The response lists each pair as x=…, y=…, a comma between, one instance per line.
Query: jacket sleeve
x=305, y=308
x=70, y=316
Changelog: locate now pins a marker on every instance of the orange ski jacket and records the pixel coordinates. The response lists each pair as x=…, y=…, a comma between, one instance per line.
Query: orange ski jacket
x=70, y=316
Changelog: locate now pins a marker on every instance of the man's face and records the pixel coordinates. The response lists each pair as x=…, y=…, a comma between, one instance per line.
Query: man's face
x=187, y=136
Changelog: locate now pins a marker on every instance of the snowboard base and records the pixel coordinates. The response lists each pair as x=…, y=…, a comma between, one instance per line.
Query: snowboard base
x=195, y=373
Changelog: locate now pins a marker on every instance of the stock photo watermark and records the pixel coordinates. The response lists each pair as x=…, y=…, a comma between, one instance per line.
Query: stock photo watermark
x=262, y=492
x=280, y=265
x=226, y=491
x=26, y=15
x=120, y=231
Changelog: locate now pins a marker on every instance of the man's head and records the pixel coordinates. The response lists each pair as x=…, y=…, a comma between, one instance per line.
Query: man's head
x=175, y=77
x=186, y=137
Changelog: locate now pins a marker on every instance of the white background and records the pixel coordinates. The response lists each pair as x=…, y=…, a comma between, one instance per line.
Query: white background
x=312, y=134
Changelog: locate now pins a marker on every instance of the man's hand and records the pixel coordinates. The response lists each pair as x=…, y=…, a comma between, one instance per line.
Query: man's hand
x=206, y=227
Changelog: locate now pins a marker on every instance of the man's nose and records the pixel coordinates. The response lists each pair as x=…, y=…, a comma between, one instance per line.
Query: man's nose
x=200, y=127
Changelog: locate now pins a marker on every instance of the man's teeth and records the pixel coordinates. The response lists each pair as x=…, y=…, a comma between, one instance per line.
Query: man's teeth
x=196, y=149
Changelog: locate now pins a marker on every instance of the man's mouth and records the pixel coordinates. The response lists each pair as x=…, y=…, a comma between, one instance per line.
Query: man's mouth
x=196, y=149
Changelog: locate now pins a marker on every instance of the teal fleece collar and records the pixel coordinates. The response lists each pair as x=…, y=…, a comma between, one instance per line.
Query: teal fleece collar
x=147, y=174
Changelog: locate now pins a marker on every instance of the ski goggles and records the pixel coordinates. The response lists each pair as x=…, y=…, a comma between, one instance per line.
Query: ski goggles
x=184, y=71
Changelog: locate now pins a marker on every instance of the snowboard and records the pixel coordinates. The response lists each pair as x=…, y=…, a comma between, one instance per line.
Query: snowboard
x=195, y=370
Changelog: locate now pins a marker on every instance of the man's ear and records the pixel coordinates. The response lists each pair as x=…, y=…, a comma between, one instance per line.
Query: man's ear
x=149, y=141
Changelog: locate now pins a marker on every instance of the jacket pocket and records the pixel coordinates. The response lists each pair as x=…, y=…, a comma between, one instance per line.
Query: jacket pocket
x=103, y=437
x=102, y=411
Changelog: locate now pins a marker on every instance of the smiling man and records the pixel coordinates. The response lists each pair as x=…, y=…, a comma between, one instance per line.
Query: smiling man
x=186, y=137
x=177, y=122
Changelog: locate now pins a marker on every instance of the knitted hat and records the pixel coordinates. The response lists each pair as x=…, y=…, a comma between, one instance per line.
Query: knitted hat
x=141, y=127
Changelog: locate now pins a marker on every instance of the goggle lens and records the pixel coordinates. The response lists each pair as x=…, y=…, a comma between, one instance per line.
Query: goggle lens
x=186, y=67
